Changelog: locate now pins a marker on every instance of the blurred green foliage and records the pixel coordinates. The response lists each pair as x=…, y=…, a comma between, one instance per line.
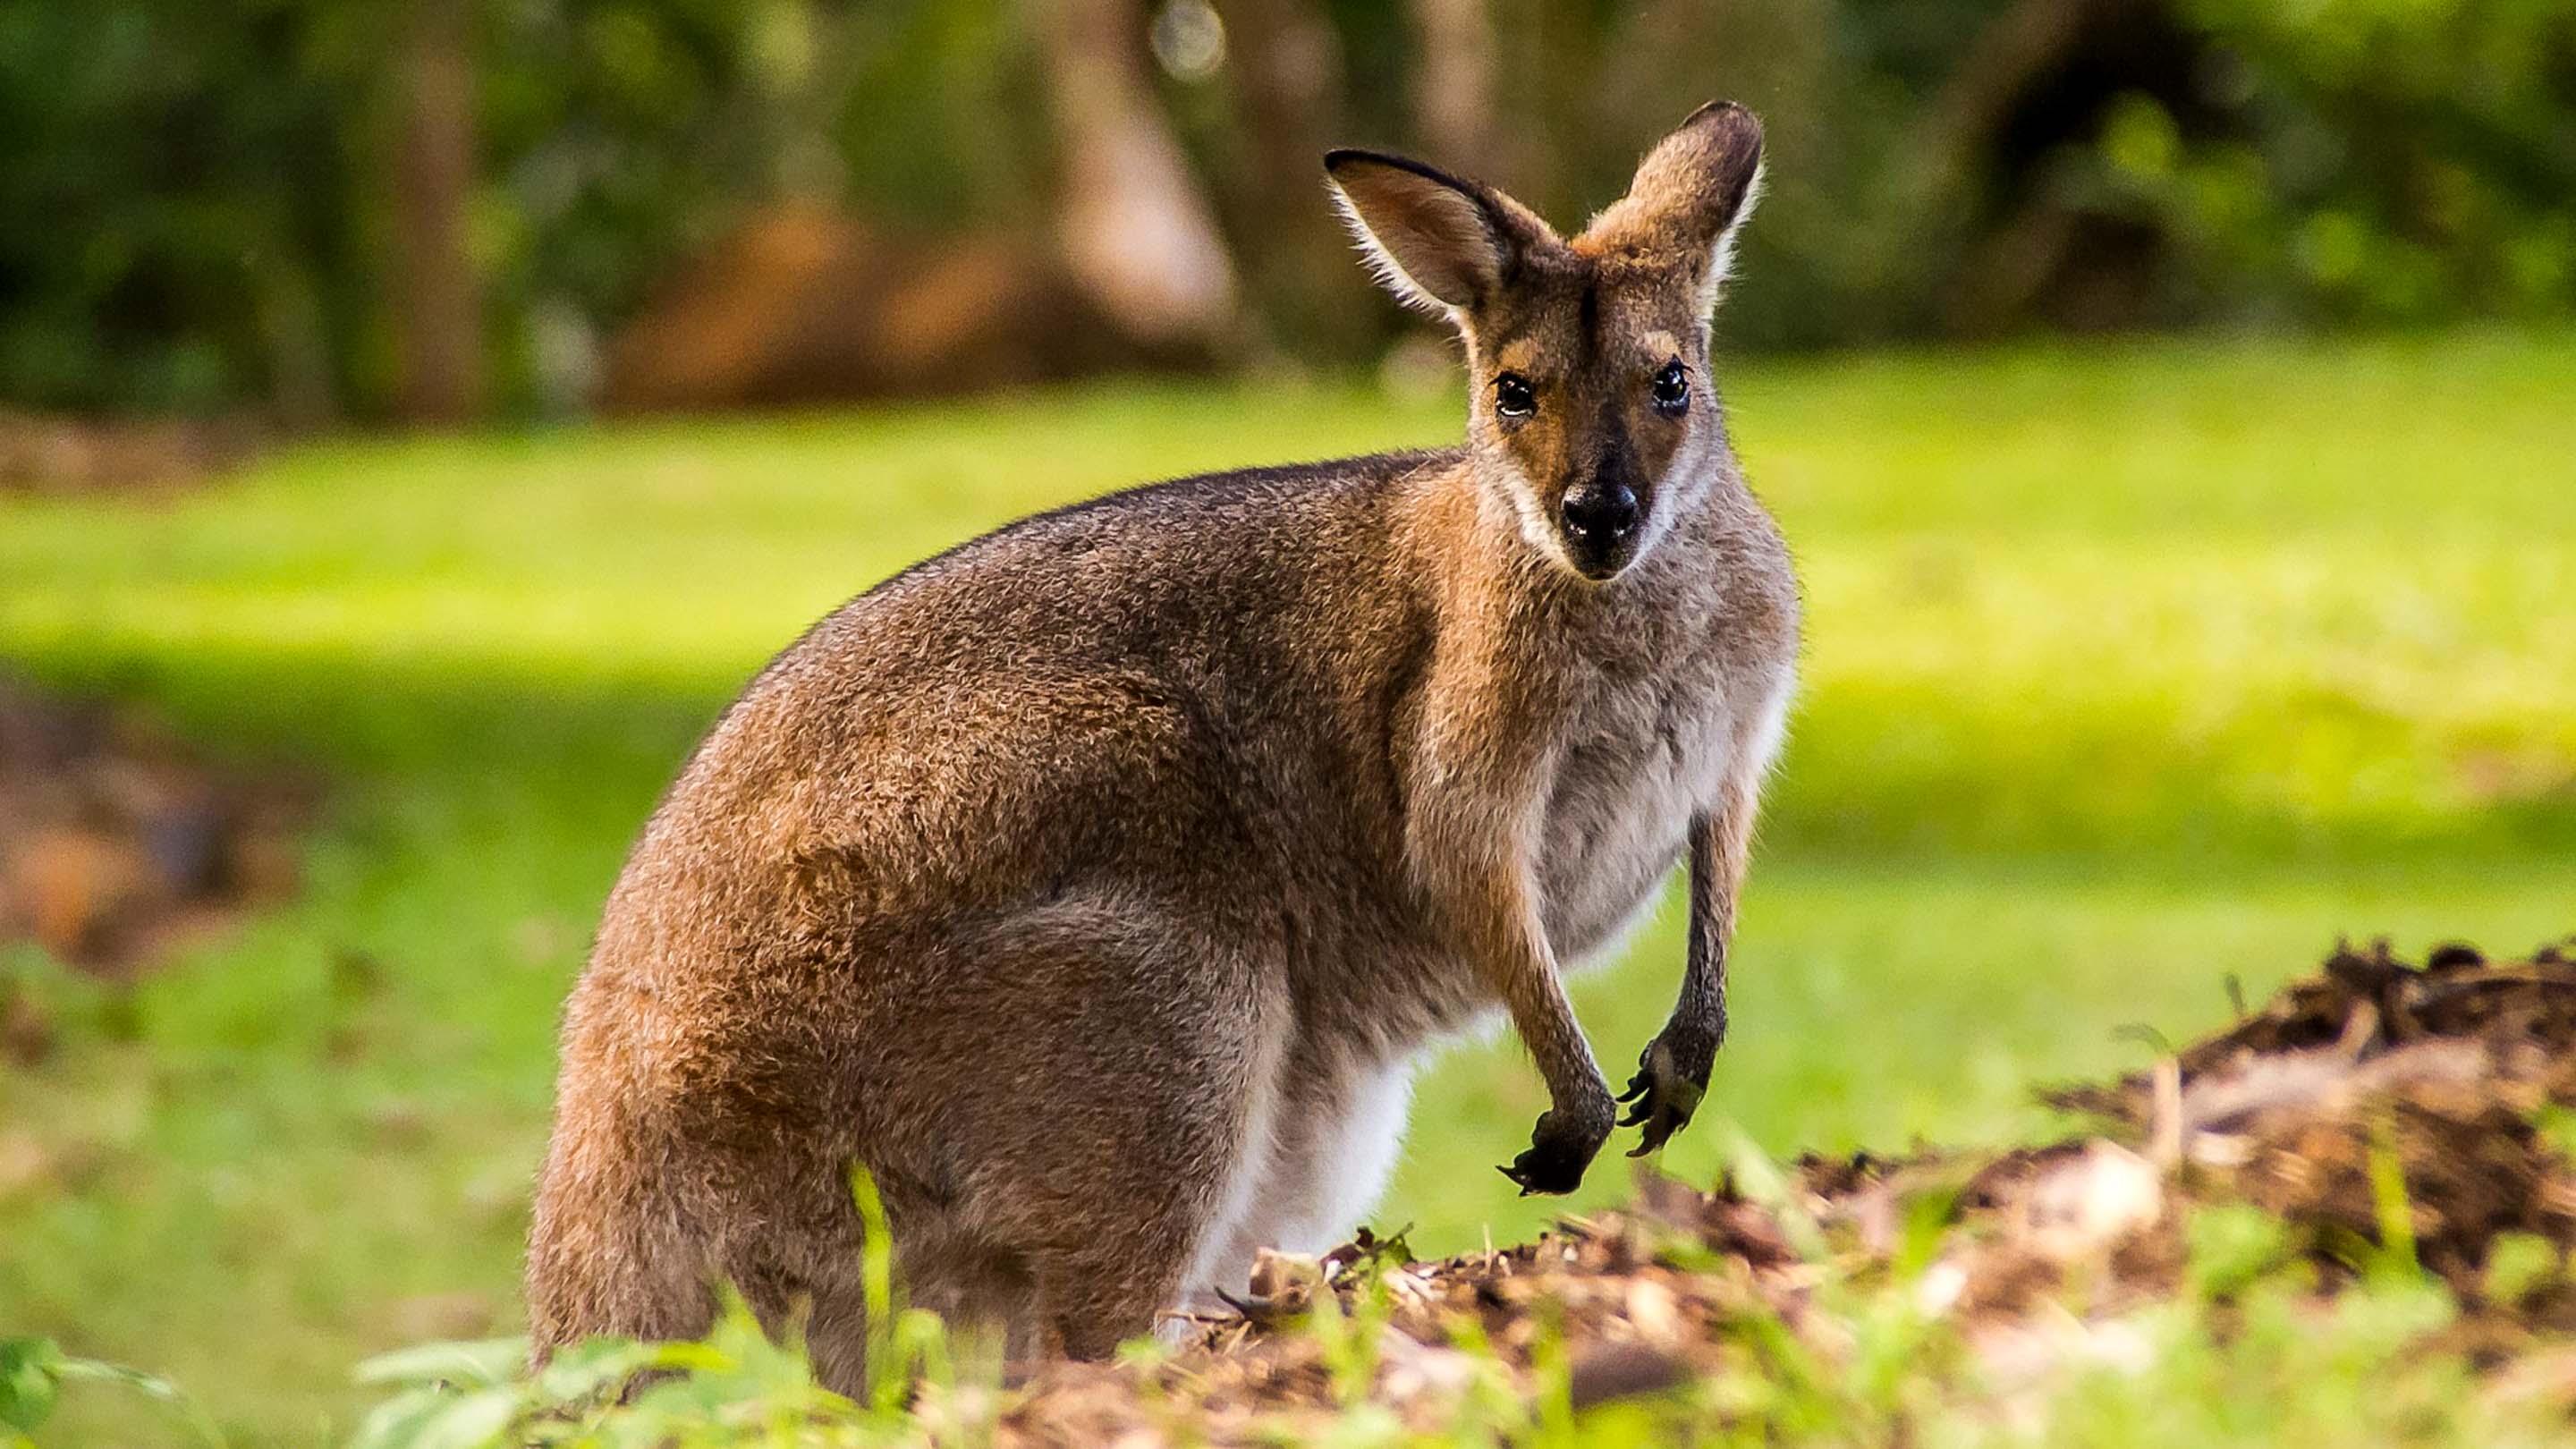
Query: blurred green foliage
x=2385, y=160
x=171, y=178
x=194, y=202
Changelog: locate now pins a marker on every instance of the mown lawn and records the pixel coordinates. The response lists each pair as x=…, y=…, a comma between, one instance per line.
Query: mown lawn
x=2130, y=669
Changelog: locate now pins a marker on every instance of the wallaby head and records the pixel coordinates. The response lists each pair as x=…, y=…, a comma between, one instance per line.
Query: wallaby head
x=1592, y=416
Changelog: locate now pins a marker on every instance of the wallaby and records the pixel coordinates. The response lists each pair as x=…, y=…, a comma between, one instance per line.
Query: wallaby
x=1097, y=884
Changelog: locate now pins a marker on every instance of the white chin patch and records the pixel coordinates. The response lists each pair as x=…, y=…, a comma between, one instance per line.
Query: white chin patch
x=1537, y=528
x=1685, y=482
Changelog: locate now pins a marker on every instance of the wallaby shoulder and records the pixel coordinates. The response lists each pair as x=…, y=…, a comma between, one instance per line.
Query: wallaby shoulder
x=1102, y=559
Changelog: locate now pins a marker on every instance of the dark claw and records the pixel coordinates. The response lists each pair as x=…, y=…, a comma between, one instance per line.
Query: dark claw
x=1555, y=1160
x=1254, y=1308
x=1665, y=1098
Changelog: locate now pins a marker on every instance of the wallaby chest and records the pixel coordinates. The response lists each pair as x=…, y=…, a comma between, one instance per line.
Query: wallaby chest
x=1656, y=719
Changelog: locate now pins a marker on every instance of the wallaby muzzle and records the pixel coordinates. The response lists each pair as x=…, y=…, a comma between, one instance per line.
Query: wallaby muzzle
x=1601, y=518
x=1600, y=526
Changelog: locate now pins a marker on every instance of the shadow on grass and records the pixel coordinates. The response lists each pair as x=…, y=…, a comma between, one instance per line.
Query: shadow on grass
x=1893, y=780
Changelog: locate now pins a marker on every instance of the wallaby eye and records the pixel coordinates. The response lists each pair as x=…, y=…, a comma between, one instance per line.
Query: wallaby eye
x=1672, y=390
x=1514, y=397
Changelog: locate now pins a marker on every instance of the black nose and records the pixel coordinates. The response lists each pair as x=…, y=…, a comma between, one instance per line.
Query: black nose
x=1601, y=516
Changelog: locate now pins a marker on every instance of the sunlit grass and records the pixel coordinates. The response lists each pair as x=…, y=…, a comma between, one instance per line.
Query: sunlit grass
x=2128, y=669
x=2255, y=1342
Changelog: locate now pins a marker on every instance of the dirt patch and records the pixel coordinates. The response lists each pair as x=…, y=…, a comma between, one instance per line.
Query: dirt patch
x=2379, y=1100
x=116, y=843
x=61, y=454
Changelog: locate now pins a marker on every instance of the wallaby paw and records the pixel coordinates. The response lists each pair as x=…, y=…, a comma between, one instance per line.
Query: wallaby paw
x=1671, y=1079
x=1559, y=1151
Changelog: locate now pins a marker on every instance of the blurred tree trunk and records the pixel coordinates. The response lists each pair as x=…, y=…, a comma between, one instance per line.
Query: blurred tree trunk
x=1453, y=91
x=296, y=339
x=438, y=304
x=2016, y=49
x=2014, y=246
x=1289, y=93
x=1289, y=89
x=1546, y=58
x=1137, y=233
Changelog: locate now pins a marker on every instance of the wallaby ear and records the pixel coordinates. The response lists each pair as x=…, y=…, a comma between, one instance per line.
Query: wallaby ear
x=1690, y=194
x=1435, y=241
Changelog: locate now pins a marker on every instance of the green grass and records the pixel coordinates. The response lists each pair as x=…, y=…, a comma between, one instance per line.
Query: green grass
x=2128, y=669
x=2257, y=1341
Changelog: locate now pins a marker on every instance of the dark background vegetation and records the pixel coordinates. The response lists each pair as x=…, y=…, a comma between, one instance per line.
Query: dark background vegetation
x=316, y=211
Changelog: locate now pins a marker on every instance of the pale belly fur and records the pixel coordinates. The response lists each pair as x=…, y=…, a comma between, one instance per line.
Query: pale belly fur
x=1305, y=1180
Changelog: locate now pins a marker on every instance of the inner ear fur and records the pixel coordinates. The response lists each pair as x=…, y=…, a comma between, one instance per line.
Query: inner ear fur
x=1435, y=240
x=1689, y=196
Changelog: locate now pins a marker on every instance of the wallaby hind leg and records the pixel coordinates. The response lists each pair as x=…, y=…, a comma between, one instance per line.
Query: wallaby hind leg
x=1124, y=1218
x=983, y=1295
x=650, y=1211
x=610, y=1252
x=1096, y=1278
x=783, y=1229
x=1093, y=1296
x=1158, y=1044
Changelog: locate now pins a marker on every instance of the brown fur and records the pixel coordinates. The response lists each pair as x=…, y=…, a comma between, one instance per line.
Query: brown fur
x=1095, y=884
